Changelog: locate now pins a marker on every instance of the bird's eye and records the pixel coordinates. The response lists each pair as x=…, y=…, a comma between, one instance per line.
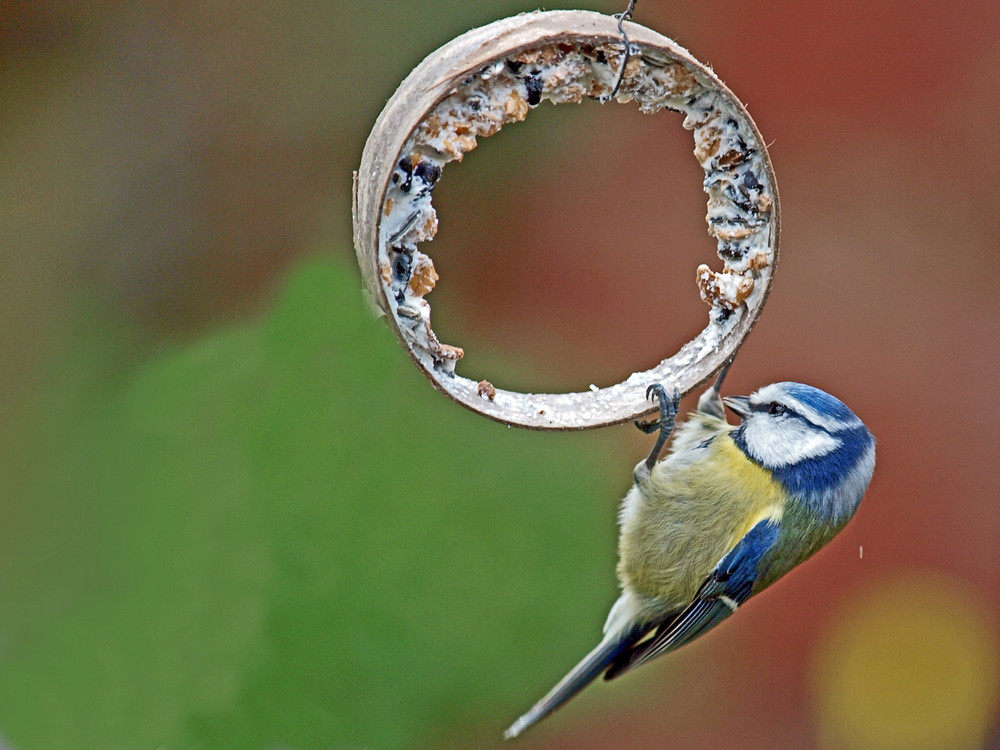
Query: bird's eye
x=776, y=409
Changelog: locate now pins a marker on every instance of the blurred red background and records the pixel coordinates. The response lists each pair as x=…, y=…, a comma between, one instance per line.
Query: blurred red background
x=163, y=167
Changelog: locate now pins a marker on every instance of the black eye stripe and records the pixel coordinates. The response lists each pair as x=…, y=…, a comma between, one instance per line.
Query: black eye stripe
x=774, y=407
x=765, y=408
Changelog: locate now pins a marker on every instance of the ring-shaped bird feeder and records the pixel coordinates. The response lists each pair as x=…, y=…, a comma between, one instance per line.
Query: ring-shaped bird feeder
x=495, y=75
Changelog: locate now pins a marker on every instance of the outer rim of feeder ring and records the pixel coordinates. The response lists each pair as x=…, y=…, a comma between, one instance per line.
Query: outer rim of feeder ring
x=466, y=54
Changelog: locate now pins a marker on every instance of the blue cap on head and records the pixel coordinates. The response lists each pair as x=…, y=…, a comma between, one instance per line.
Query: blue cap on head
x=822, y=402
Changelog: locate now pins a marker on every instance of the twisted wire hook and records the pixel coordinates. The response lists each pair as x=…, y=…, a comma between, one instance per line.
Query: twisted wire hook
x=625, y=15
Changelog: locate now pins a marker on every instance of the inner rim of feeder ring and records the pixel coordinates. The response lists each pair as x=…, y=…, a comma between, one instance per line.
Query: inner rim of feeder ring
x=495, y=75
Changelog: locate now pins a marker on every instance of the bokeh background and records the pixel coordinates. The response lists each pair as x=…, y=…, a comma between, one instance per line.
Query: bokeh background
x=233, y=515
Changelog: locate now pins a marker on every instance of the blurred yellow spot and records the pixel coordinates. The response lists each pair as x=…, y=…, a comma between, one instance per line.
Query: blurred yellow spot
x=912, y=665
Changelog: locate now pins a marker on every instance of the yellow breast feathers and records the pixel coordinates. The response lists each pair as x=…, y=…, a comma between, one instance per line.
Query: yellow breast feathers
x=695, y=506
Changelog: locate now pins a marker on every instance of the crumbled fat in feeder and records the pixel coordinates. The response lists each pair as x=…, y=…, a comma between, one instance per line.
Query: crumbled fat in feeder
x=739, y=198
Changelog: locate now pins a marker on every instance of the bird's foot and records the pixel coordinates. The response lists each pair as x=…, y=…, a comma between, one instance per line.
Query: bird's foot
x=669, y=408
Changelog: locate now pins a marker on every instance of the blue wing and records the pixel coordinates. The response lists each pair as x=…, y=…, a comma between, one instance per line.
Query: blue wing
x=729, y=585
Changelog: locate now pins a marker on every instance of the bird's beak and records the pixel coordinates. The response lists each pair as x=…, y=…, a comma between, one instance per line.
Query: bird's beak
x=739, y=405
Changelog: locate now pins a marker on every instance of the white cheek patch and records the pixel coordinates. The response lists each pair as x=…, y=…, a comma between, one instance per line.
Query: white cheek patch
x=785, y=441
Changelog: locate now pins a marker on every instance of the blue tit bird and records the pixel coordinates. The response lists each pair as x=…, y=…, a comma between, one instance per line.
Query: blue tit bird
x=725, y=514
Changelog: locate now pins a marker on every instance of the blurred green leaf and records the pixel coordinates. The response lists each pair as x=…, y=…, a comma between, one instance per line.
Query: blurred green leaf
x=281, y=536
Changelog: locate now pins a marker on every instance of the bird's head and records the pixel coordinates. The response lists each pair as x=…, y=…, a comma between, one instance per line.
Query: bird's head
x=810, y=441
